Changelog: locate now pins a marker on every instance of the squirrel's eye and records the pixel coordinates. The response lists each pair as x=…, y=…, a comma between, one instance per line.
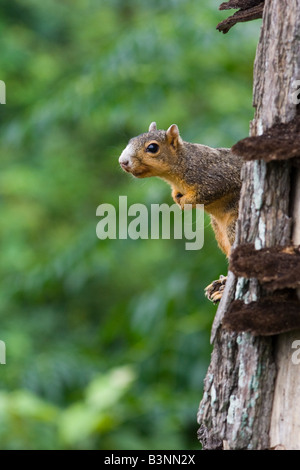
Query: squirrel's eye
x=152, y=148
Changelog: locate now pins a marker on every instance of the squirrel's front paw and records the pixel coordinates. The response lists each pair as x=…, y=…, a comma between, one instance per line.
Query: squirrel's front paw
x=181, y=199
x=177, y=197
x=215, y=290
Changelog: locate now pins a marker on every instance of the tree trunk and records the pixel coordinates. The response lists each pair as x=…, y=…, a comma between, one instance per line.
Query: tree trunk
x=236, y=409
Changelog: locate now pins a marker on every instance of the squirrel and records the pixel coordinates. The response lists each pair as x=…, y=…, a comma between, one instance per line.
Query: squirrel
x=198, y=174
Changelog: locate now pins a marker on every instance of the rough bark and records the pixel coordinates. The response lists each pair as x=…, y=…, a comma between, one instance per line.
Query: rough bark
x=236, y=408
x=285, y=419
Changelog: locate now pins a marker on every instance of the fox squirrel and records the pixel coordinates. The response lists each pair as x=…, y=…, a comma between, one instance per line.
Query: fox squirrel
x=197, y=174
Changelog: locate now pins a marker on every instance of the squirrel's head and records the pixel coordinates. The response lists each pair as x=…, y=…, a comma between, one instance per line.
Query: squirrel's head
x=152, y=153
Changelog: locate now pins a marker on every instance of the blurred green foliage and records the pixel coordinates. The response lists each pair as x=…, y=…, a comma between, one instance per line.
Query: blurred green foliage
x=107, y=341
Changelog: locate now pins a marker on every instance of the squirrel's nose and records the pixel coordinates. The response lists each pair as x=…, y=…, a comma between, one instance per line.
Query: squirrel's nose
x=124, y=162
x=125, y=158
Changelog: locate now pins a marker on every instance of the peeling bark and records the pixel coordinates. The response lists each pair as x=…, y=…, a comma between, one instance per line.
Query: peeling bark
x=249, y=10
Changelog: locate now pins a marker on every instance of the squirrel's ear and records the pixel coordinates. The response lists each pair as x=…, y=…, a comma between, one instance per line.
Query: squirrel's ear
x=152, y=127
x=173, y=135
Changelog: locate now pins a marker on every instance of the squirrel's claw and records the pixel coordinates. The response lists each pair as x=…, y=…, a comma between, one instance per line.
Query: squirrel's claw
x=215, y=290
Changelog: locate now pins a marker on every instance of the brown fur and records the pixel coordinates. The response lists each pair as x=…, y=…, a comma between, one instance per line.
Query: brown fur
x=197, y=174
